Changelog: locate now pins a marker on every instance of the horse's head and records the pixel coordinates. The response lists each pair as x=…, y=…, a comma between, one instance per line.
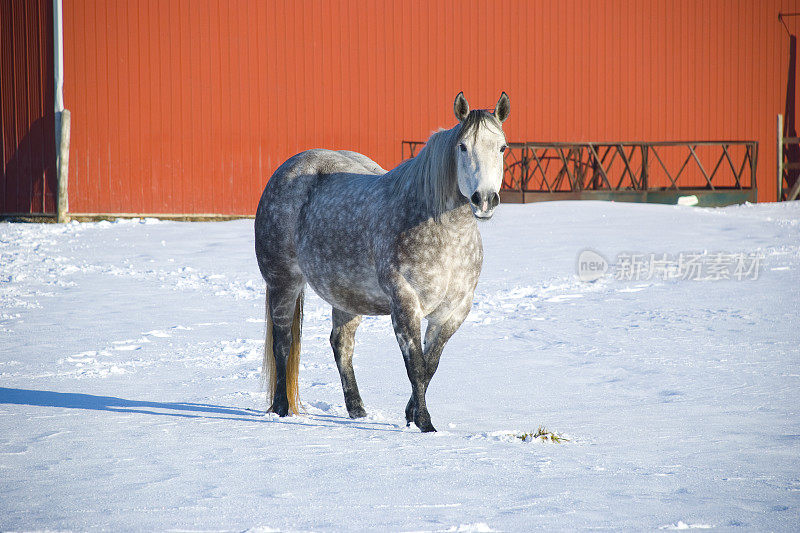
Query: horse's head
x=479, y=154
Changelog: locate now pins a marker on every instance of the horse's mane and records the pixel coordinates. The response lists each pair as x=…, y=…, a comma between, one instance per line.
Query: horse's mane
x=431, y=175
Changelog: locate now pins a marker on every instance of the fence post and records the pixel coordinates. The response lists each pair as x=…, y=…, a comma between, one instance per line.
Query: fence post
x=780, y=158
x=753, y=176
x=523, y=175
x=644, y=166
x=62, y=165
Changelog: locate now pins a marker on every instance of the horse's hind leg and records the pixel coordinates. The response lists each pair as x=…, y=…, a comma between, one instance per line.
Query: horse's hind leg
x=342, y=342
x=286, y=314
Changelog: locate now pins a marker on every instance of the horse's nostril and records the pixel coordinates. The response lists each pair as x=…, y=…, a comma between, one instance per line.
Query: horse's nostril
x=475, y=198
x=494, y=200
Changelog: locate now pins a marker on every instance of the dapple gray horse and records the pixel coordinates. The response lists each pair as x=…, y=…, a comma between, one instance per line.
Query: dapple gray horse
x=371, y=242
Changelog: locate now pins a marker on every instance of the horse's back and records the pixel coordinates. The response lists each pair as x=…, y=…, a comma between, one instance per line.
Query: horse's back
x=366, y=163
x=289, y=188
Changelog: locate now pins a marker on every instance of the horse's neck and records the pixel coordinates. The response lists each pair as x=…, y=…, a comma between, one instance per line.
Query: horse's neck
x=455, y=218
x=430, y=196
x=418, y=206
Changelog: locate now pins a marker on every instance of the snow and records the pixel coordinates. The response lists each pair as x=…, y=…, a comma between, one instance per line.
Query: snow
x=130, y=399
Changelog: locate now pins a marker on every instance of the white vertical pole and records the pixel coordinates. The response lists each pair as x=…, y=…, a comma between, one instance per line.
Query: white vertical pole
x=62, y=116
x=58, y=56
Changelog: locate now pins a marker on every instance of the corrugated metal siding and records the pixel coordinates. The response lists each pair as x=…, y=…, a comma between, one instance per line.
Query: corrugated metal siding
x=27, y=175
x=189, y=106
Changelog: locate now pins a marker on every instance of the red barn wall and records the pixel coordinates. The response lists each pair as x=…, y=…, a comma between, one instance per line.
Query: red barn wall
x=27, y=117
x=188, y=106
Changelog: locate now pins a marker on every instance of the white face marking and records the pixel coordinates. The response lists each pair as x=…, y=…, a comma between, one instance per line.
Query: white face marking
x=479, y=159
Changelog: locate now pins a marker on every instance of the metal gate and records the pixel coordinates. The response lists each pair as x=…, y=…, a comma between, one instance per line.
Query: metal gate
x=716, y=172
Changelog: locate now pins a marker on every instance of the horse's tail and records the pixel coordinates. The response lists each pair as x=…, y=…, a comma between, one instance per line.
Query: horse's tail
x=268, y=373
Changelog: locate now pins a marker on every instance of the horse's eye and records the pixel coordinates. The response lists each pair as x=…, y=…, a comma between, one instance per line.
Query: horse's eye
x=503, y=148
x=462, y=147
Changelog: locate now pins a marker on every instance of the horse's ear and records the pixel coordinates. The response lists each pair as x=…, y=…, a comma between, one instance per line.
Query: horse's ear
x=461, y=107
x=503, y=107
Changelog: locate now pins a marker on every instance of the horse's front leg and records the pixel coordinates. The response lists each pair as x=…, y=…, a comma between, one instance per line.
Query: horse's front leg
x=436, y=336
x=406, y=318
x=431, y=332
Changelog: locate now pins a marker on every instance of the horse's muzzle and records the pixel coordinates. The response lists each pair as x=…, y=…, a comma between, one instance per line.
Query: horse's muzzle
x=483, y=204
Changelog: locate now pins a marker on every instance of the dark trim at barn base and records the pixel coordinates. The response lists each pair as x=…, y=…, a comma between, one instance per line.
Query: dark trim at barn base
x=705, y=197
x=46, y=218
x=33, y=218
x=178, y=217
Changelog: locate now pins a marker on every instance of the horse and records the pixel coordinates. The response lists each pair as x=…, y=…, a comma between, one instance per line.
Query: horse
x=403, y=243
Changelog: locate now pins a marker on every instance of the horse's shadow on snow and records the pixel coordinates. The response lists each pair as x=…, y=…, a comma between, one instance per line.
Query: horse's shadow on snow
x=73, y=400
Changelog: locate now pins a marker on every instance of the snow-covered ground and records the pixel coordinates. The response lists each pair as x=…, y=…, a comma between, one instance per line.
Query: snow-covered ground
x=130, y=399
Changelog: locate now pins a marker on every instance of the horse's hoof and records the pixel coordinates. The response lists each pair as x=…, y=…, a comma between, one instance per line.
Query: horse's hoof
x=424, y=424
x=427, y=428
x=357, y=412
x=280, y=410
